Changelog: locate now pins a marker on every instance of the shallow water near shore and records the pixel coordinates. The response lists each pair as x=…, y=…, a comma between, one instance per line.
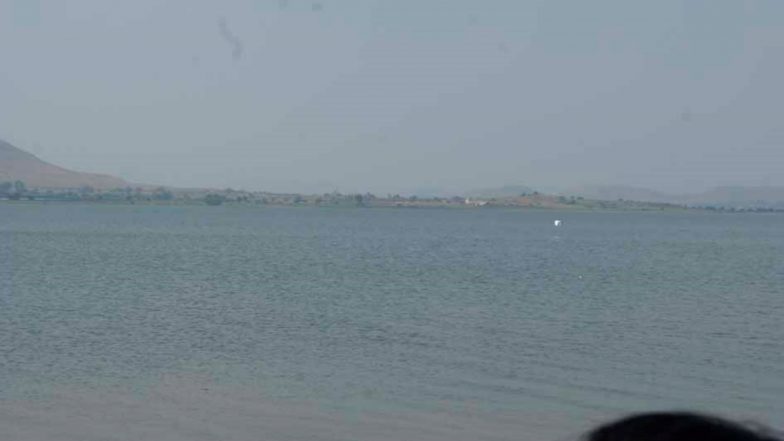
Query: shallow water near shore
x=190, y=322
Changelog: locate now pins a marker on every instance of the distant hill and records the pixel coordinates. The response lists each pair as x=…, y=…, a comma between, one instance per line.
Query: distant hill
x=736, y=197
x=19, y=165
x=507, y=191
x=615, y=192
x=770, y=197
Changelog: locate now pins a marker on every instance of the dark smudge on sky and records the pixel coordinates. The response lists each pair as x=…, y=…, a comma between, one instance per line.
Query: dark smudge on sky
x=230, y=38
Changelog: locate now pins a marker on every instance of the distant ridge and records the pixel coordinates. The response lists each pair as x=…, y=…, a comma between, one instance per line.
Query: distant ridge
x=19, y=165
x=614, y=192
x=738, y=197
x=507, y=191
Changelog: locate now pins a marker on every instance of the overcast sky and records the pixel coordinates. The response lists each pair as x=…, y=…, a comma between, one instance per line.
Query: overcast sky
x=399, y=95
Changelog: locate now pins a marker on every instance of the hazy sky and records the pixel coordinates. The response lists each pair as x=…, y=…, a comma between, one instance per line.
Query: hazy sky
x=399, y=95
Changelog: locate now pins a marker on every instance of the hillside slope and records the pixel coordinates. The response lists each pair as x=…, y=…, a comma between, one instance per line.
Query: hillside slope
x=19, y=165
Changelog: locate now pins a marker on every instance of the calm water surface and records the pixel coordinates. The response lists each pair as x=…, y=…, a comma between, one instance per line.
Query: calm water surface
x=481, y=312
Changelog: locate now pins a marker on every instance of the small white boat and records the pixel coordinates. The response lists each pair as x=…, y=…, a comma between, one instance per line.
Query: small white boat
x=557, y=222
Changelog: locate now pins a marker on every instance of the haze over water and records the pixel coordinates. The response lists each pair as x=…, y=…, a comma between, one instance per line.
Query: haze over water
x=144, y=322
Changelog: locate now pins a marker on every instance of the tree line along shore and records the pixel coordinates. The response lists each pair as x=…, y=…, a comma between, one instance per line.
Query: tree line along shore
x=18, y=191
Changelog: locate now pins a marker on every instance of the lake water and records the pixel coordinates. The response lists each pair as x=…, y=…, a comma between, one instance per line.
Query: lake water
x=167, y=322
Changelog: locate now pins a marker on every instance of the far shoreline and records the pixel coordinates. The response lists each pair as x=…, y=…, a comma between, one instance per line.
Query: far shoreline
x=424, y=205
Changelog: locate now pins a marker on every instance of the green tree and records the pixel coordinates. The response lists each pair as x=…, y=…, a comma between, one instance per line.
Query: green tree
x=214, y=199
x=162, y=194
